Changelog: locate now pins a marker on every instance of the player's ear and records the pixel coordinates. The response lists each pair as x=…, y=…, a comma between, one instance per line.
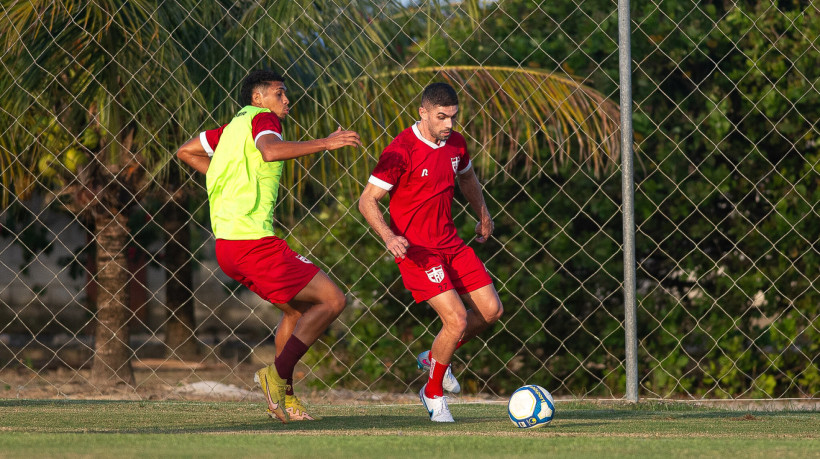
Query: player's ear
x=422, y=113
x=256, y=98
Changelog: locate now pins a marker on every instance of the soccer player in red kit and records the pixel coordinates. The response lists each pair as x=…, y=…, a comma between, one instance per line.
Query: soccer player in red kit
x=242, y=162
x=419, y=170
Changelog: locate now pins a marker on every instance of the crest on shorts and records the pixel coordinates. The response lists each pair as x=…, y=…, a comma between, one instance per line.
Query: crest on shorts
x=303, y=259
x=435, y=274
x=454, y=162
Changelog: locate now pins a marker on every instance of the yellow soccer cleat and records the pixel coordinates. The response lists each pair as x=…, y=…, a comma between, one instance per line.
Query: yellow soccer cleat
x=273, y=388
x=296, y=410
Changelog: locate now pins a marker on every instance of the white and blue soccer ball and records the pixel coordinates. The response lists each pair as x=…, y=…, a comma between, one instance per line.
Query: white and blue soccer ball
x=531, y=406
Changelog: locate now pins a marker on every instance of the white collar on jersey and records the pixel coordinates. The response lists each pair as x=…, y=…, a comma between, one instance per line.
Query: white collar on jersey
x=421, y=137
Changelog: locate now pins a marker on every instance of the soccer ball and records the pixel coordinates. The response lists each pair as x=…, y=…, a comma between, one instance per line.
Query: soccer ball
x=531, y=406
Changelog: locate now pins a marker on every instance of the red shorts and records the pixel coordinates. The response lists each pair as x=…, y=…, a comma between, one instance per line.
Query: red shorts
x=267, y=266
x=427, y=272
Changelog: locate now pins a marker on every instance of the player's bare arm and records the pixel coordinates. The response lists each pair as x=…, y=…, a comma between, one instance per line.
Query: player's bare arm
x=468, y=182
x=275, y=149
x=192, y=154
x=369, y=207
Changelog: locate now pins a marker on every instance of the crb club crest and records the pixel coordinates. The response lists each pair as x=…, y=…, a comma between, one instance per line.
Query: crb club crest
x=454, y=162
x=435, y=274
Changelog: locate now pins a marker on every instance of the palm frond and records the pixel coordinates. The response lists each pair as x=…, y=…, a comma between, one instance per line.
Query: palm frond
x=117, y=68
x=513, y=118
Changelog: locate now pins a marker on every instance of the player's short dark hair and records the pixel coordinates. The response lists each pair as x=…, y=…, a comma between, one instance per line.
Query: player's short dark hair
x=439, y=95
x=254, y=81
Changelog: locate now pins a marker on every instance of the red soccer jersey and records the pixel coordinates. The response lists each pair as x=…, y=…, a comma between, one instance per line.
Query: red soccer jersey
x=263, y=123
x=420, y=176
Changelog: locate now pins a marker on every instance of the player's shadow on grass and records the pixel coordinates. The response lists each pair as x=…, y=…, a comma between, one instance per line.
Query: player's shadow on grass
x=328, y=425
x=27, y=403
x=361, y=422
x=84, y=416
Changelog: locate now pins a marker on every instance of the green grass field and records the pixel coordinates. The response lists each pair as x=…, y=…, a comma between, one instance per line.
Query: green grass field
x=48, y=428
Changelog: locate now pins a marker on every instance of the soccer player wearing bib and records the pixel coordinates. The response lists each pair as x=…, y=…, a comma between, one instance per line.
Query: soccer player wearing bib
x=419, y=170
x=242, y=163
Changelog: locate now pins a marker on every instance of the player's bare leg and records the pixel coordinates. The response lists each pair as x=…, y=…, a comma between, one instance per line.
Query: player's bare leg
x=305, y=318
x=484, y=310
x=295, y=408
x=453, y=317
x=320, y=303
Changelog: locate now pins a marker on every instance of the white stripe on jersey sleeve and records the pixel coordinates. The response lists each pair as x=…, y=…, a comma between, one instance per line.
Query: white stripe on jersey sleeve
x=266, y=132
x=380, y=183
x=204, y=141
x=466, y=168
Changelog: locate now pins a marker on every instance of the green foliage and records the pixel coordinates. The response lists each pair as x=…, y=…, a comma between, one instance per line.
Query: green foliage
x=730, y=168
x=726, y=206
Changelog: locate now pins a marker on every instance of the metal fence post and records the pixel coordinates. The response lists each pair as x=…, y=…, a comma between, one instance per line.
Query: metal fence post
x=628, y=207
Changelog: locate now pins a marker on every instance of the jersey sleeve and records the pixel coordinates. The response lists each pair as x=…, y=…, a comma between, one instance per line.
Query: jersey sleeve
x=389, y=169
x=265, y=123
x=210, y=139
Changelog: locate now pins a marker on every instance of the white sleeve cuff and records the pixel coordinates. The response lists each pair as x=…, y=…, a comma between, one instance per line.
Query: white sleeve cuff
x=380, y=183
x=204, y=141
x=466, y=168
x=256, y=139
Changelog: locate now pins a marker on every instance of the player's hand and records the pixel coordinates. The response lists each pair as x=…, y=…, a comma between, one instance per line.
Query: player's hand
x=397, y=245
x=340, y=138
x=484, y=229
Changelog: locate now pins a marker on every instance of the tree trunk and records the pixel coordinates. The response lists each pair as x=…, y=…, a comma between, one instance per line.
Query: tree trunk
x=91, y=287
x=179, y=295
x=137, y=288
x=112, y=354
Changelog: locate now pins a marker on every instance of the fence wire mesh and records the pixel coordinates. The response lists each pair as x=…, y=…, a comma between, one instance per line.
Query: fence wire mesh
x=108, y=279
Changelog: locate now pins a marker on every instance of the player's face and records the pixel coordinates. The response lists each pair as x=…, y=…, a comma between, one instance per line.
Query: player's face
x=439, y=120
x=273, y=98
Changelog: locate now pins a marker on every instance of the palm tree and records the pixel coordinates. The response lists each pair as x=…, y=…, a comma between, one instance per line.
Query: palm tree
x=109, y=80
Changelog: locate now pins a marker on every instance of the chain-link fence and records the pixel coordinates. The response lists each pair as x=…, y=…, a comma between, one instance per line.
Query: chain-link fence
x=107, y=268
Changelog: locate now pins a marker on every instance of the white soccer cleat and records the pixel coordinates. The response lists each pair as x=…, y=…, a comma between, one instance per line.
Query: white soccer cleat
x=436, y=406
x=450, y=384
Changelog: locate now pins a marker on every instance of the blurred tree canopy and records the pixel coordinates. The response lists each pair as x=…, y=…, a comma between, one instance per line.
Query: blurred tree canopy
x=726, y=204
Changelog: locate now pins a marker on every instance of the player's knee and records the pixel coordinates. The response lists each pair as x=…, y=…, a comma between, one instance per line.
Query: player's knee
x=337, y=303
x=490, y=313
x=457, y=322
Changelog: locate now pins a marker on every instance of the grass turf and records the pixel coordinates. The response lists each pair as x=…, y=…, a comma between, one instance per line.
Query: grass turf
x=205, y=429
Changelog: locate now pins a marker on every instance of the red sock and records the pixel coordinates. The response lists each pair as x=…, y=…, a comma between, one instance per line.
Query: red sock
x=434, y=388
x=293, y=351
x=289, y=381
